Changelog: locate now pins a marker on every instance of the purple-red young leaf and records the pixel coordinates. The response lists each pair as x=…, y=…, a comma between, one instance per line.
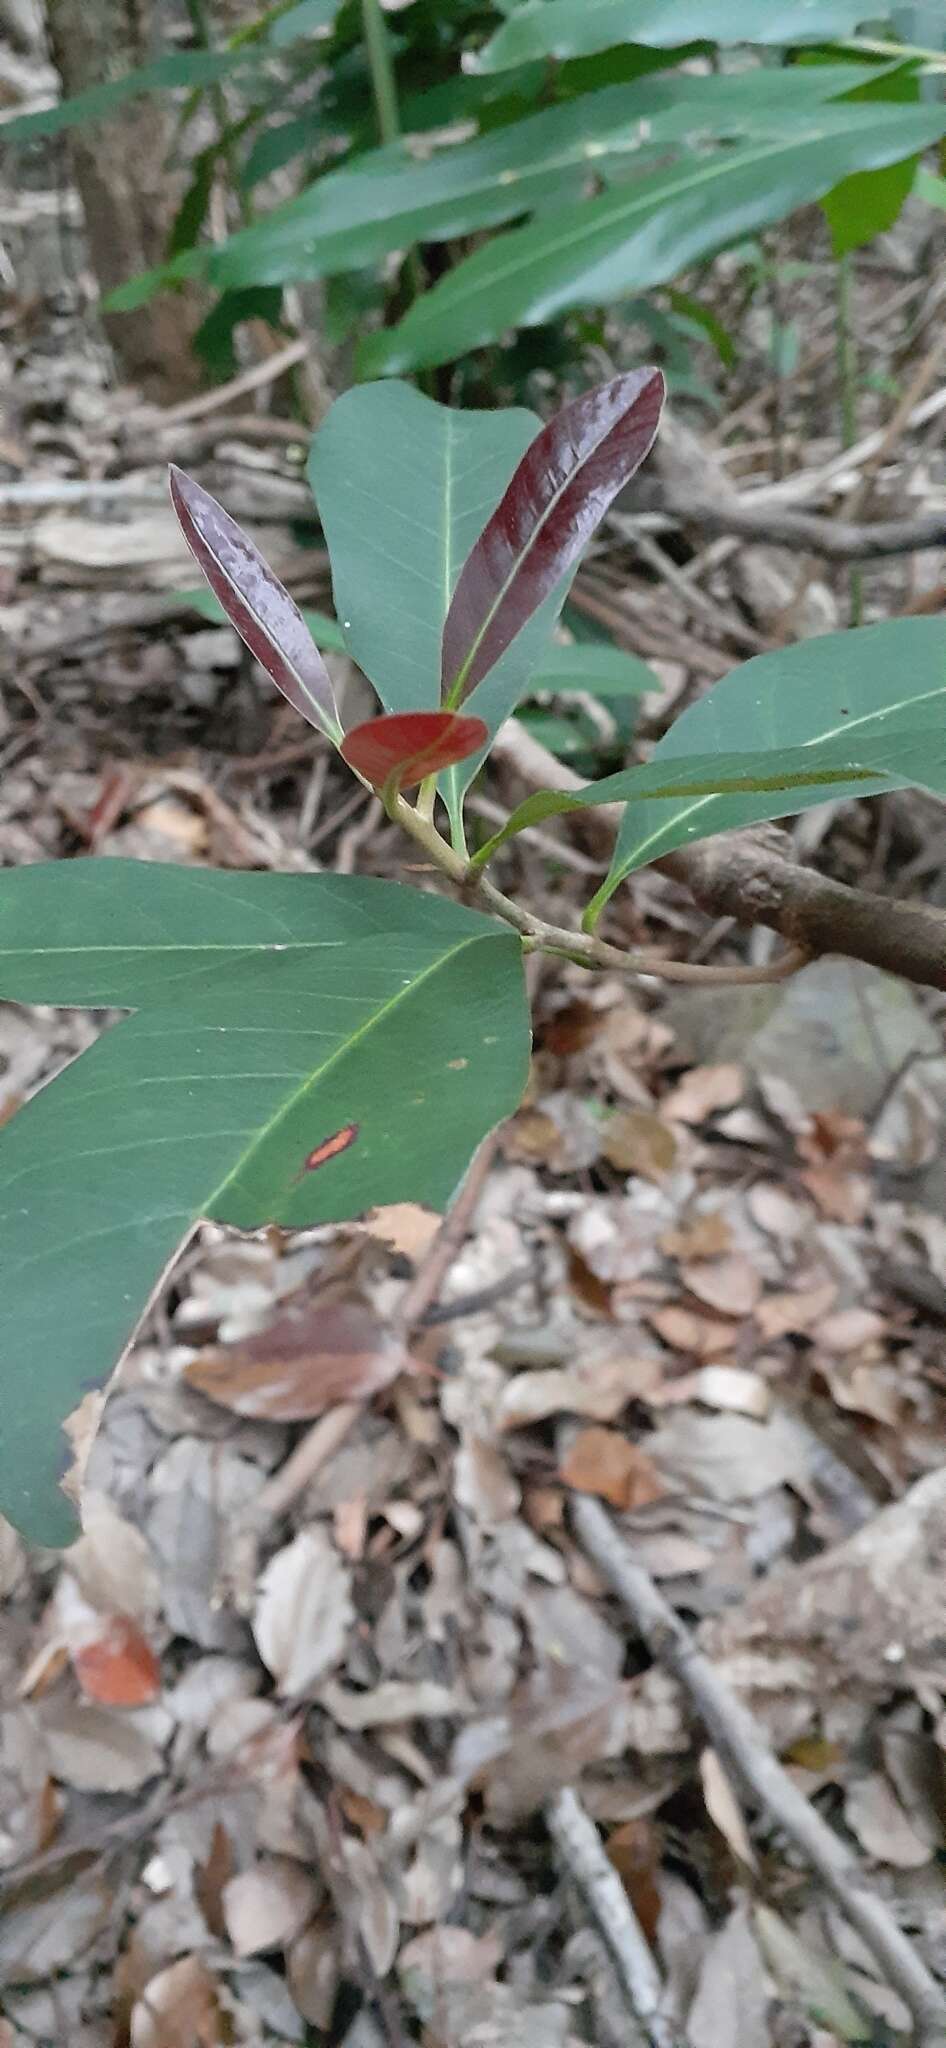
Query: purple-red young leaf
x=256, y=603
x=405, y=746
x=561, y=490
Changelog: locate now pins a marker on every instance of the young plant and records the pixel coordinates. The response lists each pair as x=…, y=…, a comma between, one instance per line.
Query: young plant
x=300, y=1048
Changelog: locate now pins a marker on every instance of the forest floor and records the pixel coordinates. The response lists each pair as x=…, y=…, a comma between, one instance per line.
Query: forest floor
x=283, y=1744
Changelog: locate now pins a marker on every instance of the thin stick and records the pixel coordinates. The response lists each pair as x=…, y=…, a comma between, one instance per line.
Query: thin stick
x=742, y=1748
x=579, y=1846
x=327, y=1435
x=248, y=380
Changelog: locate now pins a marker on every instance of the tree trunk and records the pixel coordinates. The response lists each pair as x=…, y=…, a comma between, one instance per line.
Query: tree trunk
x=129, y=198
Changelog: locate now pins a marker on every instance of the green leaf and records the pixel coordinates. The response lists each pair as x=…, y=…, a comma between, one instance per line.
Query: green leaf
x=600, y=671
x=325, y=632
x=853, y=688
x=930, y=188
x=404, y=487
x=181, y=68
x=643, y=233
x=577, y=28
x=386, y=200
x=868, y=203
x=273, y=1013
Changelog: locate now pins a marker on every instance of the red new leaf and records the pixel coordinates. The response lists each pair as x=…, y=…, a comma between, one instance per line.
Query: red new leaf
x=561, y=490
x=407, y=745
x=256, y=603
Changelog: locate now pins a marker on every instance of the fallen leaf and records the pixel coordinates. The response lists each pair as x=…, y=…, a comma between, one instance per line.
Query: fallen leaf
x=603, y=1462
x=211, y=1878
x=723, y=1807
x=792, y=1313
x=119, y=1668
x=704, y=1236
x=313, y=1967
x=634, y=1849
x=304, y=1611
x=731, y=1285
x=598, y=1387
x=268, y=1906
x=96, y=1750
x=725, y=1387
x=638, y=1141
x=728, y=1457
x=732, y=1996
x=874, y=1814
x=49, y=1923
x=405, y=1226
x=312, y=1356
x=684, y=1330
x=851, y=1328
x=703, y=1091
x=178, y=2008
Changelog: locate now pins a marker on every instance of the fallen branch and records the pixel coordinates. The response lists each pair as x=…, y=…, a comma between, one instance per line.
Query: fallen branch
x=746, y=875
x=839, y=540
x=742, y=1748
x=579, y=1846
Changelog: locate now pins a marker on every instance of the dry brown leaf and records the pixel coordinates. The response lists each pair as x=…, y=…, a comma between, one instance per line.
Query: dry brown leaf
x=874, y=1814
x=634, y=1848
x=603, y=1462
x=314, y=1355
x=793, y=1313
x=703, y=1236
x=268, y=1906
x=119, y=1668
x=313, y=1966
x=303, y=1612
x=726, y=1387
x=850, y=1329
x=729, y=1457
x=874, y=1390
x=638, y=1141
x=777, y=1212
x=703, y=1091
x=723, y=1807
x=178, y=2008
x=732, y=1285
x=842, y=1197
x=598, y=1387
x=407, y=1227
x=684, y=1330
x=96, y=1750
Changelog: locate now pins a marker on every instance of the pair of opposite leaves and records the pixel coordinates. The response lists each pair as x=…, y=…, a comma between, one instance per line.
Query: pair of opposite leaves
x=557, y=496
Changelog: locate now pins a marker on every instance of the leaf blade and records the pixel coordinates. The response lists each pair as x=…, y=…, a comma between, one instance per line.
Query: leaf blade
x=404, y=747
x=211, y=1101
x=256, y=603
x=558, y=494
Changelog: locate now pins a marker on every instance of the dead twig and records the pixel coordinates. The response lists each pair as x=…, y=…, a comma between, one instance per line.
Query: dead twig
x=839, y=540
x=253, y=379
x=742, y=1748
x=579, y=1846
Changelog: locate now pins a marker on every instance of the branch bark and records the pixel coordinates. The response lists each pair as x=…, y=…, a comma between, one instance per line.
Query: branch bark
x=741, y=1746
x=580, y=1850
x=838, y=540
x=747, y=875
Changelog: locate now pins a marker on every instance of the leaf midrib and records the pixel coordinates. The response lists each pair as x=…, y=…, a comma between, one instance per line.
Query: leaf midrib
x=662, y=191
x=618, y=870
x=317, y=1074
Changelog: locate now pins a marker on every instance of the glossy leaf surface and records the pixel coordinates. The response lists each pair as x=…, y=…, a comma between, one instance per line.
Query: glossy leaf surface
x=557, y=497
x=861, y=688
x=303, y=1048
x=643, y=233
x=578, y=28
x=595, y=668
x=403, y=747
x=386, y=199
x=256, y=603
x=403, y=487
x=325, y=632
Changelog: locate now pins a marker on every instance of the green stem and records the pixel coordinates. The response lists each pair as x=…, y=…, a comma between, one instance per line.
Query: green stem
x=218, y=100
x=847, y=388
x=387, y=111
x=383, y=84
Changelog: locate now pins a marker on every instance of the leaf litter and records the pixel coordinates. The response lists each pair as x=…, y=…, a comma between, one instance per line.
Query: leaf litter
x=227, y=1820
